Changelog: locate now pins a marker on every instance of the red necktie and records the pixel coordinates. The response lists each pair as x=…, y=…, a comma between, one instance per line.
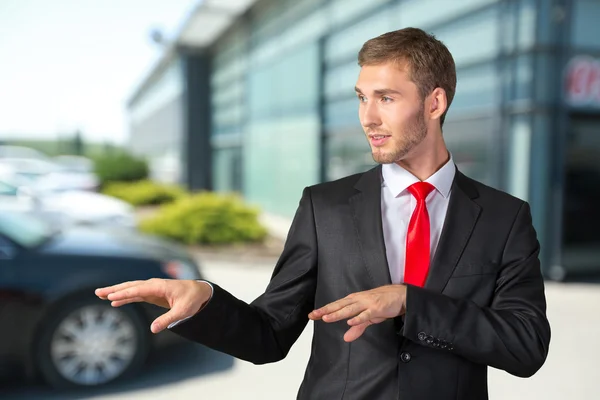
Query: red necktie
x=418, y=244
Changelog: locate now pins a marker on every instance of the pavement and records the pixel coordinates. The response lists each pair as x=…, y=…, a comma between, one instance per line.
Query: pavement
x=193, y=371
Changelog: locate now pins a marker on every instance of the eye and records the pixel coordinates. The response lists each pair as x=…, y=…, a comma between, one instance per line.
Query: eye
x=386, y=99
x=362, y=98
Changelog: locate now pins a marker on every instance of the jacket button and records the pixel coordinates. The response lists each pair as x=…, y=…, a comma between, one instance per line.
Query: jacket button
x=405, y=357
x=422, y=336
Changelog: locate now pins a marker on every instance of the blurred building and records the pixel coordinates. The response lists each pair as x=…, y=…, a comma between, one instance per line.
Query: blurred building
x=257, y=97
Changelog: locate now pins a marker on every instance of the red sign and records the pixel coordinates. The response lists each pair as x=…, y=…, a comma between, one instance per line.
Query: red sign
x=583, y=82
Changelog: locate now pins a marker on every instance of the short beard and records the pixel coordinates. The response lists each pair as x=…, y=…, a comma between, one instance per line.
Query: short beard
x=414, y=134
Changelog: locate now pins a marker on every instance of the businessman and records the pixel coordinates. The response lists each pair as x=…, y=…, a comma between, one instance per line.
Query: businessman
x=417, y=277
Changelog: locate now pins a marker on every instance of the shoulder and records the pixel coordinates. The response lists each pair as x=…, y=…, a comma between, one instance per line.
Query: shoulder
x=343, y=188
x=490, y=198
x=338, y=184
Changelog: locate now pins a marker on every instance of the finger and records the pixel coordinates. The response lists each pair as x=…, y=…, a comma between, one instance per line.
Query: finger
x=356, y=331
x=105, y=291
x=363, y=317
x=127, y=301
x=346, y=312
x=167, y=319
x=331, y=307
x=142, y=289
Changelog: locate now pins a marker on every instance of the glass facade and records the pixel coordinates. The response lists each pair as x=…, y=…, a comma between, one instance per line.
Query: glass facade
x=524, y=118
x=156, y=123
x=229, y=109
x=282, y=136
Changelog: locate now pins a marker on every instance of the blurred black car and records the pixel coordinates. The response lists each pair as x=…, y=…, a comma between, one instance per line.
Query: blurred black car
x=51, y=323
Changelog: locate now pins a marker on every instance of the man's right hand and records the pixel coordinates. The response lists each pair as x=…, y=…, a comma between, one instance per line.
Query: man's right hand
x=183, y=298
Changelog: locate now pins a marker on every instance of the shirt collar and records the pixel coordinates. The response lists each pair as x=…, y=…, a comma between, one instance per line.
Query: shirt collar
x=397, y=179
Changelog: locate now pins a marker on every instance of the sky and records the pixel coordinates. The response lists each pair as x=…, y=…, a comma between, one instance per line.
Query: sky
x=69, y=65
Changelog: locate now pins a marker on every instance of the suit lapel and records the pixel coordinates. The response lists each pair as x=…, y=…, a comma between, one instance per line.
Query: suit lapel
x=366, y=209
x=460, y=220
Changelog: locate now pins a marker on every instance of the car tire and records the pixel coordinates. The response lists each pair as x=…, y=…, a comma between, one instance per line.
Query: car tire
x=86, y=342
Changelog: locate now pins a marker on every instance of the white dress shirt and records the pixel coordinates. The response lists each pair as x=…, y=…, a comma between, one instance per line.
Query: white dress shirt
x=398, y=204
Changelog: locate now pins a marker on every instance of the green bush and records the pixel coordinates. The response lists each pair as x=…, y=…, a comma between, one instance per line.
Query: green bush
x=120, y=166
x=206, y=218
x=144, y=192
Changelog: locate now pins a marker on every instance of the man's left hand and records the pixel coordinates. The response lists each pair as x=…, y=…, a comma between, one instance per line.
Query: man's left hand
x=364, y=309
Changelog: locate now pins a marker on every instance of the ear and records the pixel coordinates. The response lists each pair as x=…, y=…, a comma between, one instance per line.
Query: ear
x=438, y=103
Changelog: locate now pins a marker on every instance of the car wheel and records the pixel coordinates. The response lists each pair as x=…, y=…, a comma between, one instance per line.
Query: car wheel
x=90, y=343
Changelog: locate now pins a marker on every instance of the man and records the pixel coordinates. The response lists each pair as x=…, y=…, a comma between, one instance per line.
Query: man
x=416, y=276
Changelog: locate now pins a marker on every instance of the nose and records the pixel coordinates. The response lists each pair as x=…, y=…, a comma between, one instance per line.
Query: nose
x=369, y=115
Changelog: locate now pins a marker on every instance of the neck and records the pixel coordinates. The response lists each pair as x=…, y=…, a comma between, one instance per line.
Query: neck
x=427, y=157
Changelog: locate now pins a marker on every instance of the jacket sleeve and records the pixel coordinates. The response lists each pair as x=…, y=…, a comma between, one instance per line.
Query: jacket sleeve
x=264, y=330
x=513, y=333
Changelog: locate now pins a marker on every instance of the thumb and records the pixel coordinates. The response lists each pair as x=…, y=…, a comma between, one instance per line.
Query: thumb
x=356, y=331
x=161, y=323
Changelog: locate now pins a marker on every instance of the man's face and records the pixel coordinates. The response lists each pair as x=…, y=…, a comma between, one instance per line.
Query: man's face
x=391, y=111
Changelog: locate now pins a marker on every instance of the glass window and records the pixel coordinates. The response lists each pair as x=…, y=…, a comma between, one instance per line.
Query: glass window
x=518, y=78
x=342, y=11
x=524, y=77
x=519, y=156
x=281, y=157
x=585, y=32
x=168, y=86
x=308, y=28
x=225, y=73
x=459, y=37
x=230, y=115
x=232, y=44
x=261, y=90
x=348, y=153
x=470, y=142
x=340, y=81
x=477, y=88
x=544, y=70
x=549, y=15
x=267, y=51
x=518, y=24
x=423, y=13
x=527, y=24
x=342, y=113
x=290, y=85
x=162, y=129
x=227, y=169
x=273, y=18
x=508, y=24
x=224, y=96
x=346, y=43
x=281, y=141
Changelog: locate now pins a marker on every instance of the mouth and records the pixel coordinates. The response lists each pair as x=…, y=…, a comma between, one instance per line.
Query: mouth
x=379, y=140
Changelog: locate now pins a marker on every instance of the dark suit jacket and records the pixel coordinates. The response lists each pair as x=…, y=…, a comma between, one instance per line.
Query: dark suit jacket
x=483, y=303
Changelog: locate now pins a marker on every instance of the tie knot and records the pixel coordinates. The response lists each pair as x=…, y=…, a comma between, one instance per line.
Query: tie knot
x=420, y=190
